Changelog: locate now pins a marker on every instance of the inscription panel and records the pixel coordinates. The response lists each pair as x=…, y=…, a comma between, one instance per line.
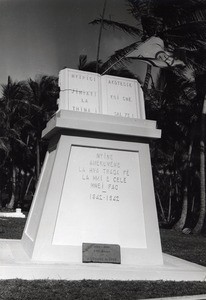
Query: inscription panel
x=111, y=95
x=101, y=199
x=120, y=97
x=101, y=253
x=79, y=91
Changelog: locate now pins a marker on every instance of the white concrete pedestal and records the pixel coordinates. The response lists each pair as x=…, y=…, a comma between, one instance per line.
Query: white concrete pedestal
x=96, y=186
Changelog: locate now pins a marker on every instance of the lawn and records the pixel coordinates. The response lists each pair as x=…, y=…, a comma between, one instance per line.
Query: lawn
x=95, y=290
x=188, y=247
x=11, y=228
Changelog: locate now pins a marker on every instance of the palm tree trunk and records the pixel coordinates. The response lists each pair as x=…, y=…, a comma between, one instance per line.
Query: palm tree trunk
x=170, y=203
x=161, y=208
x=0, y=198
x=38, y=164
x=100, y=35
x=11, y=203
x=28, y=186
x=1, y=188
x=147, y=77
x=181, y=222
x=201, y=218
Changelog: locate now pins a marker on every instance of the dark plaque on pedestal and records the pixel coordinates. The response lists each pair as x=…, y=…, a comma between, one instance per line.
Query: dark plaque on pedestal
x=101, y=253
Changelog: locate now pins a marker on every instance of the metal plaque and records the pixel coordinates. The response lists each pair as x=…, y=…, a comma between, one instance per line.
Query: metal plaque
x=101, y=253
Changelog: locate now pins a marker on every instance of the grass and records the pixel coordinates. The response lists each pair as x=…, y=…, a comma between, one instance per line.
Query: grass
x=95, y=290
x=189, y=247
x=11, y=228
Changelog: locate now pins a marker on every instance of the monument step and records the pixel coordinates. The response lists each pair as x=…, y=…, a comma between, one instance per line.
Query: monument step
x=14, y=263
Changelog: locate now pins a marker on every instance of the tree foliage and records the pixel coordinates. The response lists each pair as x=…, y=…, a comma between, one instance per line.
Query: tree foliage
x=176, y=101
x=25, y=107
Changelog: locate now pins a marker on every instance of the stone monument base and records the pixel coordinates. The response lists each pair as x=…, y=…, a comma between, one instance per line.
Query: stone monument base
x=15, y=263
x=95, y=187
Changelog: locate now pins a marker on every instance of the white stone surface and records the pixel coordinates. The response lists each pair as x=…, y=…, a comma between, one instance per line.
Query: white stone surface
x=16, y=214
x=122, y=97
x=69, y=120
x=89, y=92
x=101, y=200
x=15, y=263
x=52, y=191
x=79, y=91
x=66, y=212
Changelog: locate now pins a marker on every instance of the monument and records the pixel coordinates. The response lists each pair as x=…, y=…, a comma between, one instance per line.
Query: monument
x=96, y=185
x=93, y=215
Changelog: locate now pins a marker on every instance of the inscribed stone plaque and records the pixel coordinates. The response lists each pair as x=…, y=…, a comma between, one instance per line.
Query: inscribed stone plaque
x=101, y=200
x=79, y=91
x=120, y=97
x=101, y=253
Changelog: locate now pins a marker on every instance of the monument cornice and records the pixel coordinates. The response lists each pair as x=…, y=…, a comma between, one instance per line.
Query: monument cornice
x=79, y=121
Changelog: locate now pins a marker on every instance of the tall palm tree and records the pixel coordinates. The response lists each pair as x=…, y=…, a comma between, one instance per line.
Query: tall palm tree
x=182, y=27
x=172, y=105
x=14, y=111
x=43, y=94
x=201, y=90
x=25, y=107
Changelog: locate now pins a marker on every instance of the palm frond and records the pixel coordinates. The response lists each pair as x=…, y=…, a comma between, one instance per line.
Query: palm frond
x=119, y=57
x=13, y=133
x=131, y=30
x=138, y=8
x=84, y=65
x=82, y=61
x=3, y=115
x=4, y=145
x=122, y=72
x=20, y=143
x=193, y=30
x=184, y=15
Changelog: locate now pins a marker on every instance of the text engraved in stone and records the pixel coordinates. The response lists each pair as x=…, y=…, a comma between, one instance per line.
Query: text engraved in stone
x=105, y=177
x=83, y=94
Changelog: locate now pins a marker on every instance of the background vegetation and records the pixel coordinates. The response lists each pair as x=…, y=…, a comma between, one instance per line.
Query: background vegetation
x=25, y=108
x=176, y=100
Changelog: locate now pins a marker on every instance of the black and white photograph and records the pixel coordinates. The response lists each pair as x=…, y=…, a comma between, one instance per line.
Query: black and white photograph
x=102, y=149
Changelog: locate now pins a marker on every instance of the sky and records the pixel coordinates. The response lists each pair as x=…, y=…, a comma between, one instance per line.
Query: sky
x=43, y=36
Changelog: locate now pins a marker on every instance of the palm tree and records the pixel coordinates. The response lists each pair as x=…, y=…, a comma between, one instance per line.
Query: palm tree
x=171, y=106
x=14, y=110
x=43, y=94
x=25, y=107
x=201, y=90
x=182, y=27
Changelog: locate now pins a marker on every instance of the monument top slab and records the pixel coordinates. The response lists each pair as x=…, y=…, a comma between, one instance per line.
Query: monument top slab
x=92, y=93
